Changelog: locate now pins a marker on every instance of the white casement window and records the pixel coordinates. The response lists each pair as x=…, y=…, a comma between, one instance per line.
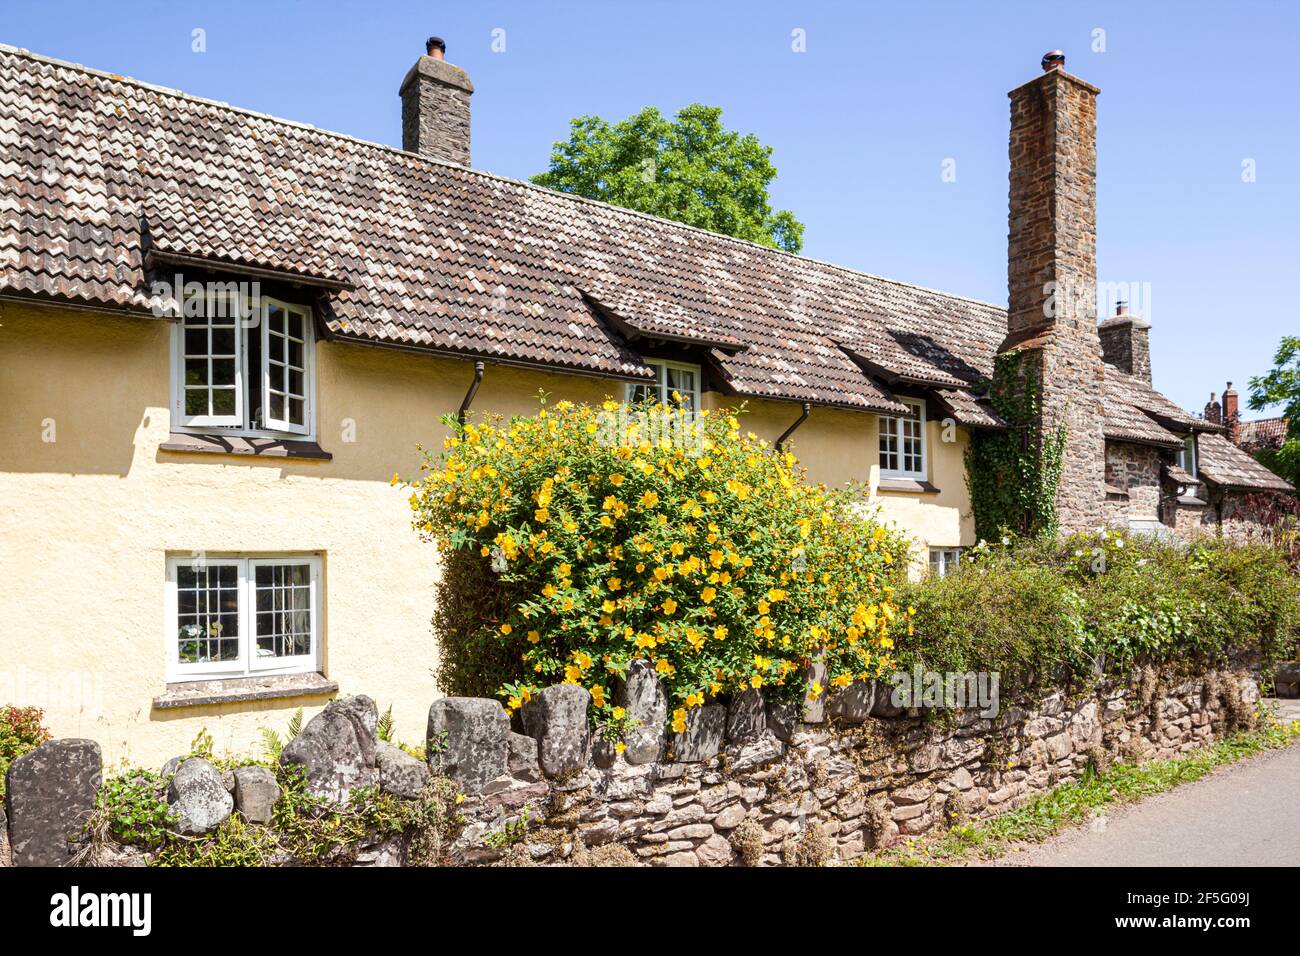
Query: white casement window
x=1187, y=455
x=902, y=442
x=670, y=377
x=241, y=616
x=944, y=560
x=243, y=374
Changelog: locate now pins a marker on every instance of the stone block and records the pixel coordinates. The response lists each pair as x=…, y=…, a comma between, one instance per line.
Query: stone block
x=557, y=719
x=468, y=740
x=198, y=798
x=337, y=749
x=256, y=793
x=642, y=695
x=702, y=738
x=49, y=794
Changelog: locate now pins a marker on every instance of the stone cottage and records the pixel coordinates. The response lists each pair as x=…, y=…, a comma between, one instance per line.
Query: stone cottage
x=221, y=333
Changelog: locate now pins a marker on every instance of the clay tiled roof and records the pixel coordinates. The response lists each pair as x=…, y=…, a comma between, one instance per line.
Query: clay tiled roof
x=409, y=251
x=1264, y=433
x=1223, y=463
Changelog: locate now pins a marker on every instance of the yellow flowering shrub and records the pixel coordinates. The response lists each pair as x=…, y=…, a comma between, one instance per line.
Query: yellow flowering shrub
x=573, y=547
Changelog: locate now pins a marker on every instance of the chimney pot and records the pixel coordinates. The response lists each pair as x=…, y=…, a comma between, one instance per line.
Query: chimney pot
x=1121, y=307
x=435, y=47
x=1053, y=60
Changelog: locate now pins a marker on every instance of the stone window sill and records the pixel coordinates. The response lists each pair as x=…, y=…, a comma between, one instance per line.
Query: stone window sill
x=237, y=690
x=184, y=443
x=1192, y=501
x=907, y=485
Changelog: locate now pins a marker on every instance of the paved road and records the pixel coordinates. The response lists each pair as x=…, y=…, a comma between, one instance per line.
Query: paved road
x=1247, y=814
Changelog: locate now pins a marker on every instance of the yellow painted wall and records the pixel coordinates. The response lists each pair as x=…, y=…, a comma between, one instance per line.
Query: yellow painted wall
x=89, y=517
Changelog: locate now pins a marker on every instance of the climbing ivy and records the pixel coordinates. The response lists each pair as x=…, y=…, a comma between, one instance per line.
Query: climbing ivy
x=1013, y=475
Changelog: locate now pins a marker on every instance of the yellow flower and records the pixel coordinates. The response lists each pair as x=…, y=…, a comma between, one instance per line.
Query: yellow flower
x=619, y=713
x=620, y=747
x=506, y=628
x=597, y=695
x=708, y=594
x=650, y=499
x=533, y=637
x=815, y=690
x=669, y=606
x=616, y=481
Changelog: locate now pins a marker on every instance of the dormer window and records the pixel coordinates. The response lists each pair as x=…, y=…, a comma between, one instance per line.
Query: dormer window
x=679, y=377
x=243, y=368
x=902, y=442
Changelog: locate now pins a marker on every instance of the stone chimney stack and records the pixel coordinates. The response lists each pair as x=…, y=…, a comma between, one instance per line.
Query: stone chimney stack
x=1052, y=280
x=435, y=107
x=1126, y=342
x=1231, y=414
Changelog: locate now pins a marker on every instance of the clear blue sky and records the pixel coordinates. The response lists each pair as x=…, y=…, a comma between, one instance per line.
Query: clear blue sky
x=861, y=122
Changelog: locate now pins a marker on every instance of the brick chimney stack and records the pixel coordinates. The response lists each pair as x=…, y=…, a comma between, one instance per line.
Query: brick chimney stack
x=1052, y=278
x=435, y=107
x=1231, y=414
x=1213, y=410
x=1126, y=342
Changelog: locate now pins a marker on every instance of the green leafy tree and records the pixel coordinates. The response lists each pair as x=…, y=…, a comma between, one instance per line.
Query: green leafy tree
x=691, y=169
x=1281, y=386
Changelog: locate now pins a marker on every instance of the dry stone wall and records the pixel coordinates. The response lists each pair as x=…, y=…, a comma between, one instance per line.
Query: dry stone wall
x=750, y=783
x=753, y=787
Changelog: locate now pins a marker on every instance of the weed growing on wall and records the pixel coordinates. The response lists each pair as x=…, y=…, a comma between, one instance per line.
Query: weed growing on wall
x=691, y=544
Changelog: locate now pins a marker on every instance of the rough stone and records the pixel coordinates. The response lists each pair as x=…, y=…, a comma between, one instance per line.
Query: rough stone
x=522, y=758
x=256, y=792
x=49, y=794
x=814, y=702
x=746, y=717
x=782, y=720
x=468, y=740
x=337, y=749
x=702, y=738
x=642, y=695
x=854, y=703
x=198, y=798
x=557, y=718
x=715, y=851
x=399, y=773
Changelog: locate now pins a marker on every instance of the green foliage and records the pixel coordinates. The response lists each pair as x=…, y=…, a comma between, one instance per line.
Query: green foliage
x=273, y=744
x=1048, y=613
x=1281, y=386
x=1012, y=476
x=709, y=555
x=133, y=808
x=21, y=732
x=690, y=169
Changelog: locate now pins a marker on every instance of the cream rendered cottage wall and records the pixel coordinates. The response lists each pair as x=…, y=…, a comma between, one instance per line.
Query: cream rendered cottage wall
x=92, y=508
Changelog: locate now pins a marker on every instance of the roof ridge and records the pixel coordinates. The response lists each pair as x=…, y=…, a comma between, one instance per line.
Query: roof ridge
x=386, y=147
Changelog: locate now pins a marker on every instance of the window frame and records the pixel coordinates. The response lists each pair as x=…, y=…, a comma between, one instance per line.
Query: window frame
x=247, y=664
x=206, y=425
x=895, y=422
x=949, y=559
x=661, y=367
x=1187, y=450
